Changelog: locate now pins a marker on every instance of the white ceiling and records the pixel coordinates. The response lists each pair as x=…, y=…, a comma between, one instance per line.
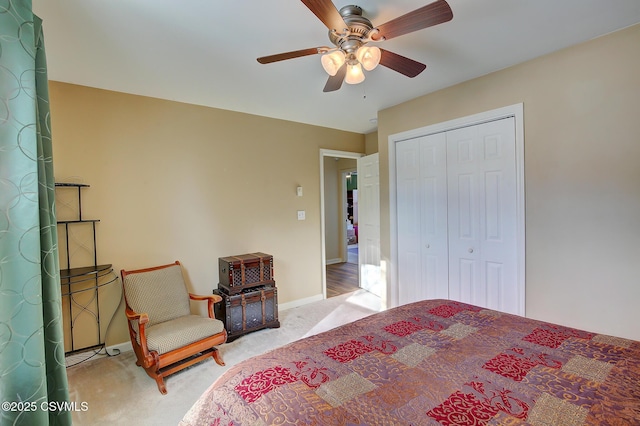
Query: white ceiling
x=204, y=51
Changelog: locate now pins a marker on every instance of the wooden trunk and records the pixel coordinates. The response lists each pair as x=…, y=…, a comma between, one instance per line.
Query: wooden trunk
x=250, y=310
x=238, y=273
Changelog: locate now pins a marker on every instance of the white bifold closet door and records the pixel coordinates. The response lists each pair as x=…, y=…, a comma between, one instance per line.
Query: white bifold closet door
x=456, y=212
x=421, y=180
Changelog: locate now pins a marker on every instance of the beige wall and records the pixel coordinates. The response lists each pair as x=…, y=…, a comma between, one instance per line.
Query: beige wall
x=582, y=175
x=332, y=198
x=172, y=181
x=371, y=143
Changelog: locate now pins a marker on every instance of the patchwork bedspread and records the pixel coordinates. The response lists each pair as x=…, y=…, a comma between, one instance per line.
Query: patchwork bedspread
x=434, y=362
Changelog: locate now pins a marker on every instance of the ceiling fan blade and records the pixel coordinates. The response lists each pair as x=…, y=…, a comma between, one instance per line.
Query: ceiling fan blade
x=427, y=16
x=327, y=13
x=335, y=81
x=290, y=55
x=401, y=64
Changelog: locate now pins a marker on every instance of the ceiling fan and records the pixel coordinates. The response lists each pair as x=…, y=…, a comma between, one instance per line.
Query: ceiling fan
x=351, y=32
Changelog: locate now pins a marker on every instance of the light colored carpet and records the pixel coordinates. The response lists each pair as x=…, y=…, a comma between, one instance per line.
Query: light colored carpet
x=116, y=391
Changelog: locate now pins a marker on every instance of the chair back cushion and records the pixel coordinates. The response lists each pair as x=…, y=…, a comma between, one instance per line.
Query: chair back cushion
x=160, y=293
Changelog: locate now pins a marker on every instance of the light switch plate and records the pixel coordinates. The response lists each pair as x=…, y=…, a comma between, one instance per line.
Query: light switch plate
x=301, y=215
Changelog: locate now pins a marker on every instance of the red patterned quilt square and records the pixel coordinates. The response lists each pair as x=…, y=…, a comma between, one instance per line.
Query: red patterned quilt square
x=548, y=338
x=462, y=409
x=402, y=328
x=445, y=311
x=510, y=366
x=262, y=382
x=348, y=351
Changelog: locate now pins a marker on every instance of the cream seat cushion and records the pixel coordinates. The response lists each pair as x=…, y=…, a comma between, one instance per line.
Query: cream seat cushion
x=179, y=332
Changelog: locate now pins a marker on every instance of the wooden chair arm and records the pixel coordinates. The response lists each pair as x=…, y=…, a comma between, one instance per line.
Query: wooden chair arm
x=216, y=298
x=142, y=319
x=131, y=315
x=211, y=300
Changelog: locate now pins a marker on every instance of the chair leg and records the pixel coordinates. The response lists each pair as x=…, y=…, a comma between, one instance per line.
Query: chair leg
x=217, y=357
x=158, y=377
x=154, y=372
x=161, y=386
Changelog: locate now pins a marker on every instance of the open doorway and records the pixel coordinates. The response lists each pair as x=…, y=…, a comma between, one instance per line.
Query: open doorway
x=350, y=185
x=339, y=222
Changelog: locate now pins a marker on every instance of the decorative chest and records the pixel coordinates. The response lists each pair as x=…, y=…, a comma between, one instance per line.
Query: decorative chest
x=250, y=310
x=244, y=271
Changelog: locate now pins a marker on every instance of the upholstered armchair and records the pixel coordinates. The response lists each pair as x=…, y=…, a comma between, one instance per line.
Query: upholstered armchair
x=165, y=336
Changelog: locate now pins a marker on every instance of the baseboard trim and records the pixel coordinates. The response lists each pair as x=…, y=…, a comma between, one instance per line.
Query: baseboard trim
x=300, y=302
x=334, y=261
x=119, y=348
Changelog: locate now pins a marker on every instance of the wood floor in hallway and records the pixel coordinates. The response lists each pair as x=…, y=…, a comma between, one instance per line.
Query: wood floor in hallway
x=342, y=278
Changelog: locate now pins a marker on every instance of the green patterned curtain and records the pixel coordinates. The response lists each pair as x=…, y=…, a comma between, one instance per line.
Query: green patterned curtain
x=33, y=380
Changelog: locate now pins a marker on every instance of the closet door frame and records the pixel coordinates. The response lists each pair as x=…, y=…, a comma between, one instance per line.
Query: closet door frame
x=516, y=111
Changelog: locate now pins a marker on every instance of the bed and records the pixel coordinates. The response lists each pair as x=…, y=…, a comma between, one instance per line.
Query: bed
x=434, y=362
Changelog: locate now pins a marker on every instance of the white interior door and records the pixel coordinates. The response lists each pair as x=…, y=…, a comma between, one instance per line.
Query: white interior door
x=369, y=225
x=421, y=166
x=482, y=212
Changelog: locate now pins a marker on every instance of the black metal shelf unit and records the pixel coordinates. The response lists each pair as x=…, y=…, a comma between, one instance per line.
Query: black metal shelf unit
x=81, y=287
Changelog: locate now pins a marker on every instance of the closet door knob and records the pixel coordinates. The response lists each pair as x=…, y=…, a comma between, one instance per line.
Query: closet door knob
x=428, y=246
x=470, y=250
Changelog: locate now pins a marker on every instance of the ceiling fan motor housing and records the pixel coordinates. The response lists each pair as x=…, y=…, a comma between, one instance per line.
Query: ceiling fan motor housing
x=359, y=28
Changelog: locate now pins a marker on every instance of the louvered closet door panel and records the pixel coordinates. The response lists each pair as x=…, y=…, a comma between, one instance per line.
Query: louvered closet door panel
x=482, y=211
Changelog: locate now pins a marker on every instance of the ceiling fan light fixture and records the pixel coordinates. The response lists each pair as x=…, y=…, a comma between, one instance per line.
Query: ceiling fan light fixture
x=354, y=74
x=331, y=62
x=369, y=57
x=350, y=31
